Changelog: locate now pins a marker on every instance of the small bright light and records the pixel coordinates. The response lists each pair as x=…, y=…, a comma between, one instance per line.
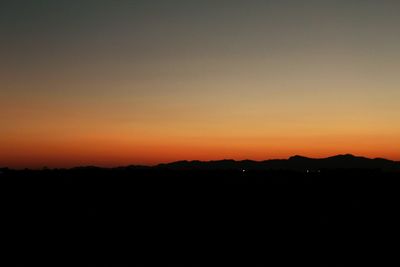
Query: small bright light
x=243, y=170
x=308, y=171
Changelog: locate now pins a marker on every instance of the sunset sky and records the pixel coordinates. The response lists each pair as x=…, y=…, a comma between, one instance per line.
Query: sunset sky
x=113, y=83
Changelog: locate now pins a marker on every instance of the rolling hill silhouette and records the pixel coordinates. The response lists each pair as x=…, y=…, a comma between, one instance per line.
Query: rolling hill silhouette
x=180, y=208
x=295, y=163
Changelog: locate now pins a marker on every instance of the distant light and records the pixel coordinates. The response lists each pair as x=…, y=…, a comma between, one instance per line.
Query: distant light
x=243, y=170
x=308, y=171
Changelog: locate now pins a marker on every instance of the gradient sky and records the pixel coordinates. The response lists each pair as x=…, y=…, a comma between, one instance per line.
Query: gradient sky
x=140, y=82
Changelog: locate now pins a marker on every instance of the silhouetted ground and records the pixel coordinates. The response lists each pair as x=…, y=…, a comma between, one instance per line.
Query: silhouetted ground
x=204, y=216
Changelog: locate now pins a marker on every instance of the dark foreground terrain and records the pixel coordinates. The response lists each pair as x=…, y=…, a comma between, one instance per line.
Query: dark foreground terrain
x=327, y=217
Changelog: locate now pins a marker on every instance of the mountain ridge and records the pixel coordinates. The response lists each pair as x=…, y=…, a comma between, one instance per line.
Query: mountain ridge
x=297, y=162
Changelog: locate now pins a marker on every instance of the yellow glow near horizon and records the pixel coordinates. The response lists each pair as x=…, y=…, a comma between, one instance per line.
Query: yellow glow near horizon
x=199, y=81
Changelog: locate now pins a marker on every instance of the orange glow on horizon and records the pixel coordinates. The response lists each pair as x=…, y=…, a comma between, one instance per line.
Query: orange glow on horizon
x=132, y=82
x=111, y=153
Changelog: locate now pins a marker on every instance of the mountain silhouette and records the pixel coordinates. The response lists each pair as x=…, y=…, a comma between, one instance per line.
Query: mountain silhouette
x=192, y=205
x=297, y=163
x=294, y=163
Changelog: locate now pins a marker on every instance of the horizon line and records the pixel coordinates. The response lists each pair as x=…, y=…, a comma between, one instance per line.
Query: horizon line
x=193, y=160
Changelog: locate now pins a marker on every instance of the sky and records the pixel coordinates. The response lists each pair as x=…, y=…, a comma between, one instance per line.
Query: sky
x=112, y=83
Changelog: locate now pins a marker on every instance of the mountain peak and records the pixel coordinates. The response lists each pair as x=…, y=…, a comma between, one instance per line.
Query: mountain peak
x=343, y=156
x=348, y=156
